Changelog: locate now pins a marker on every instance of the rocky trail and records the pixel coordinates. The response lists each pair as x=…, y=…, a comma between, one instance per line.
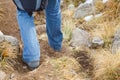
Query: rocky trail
x=15, y=69
x=88, y=46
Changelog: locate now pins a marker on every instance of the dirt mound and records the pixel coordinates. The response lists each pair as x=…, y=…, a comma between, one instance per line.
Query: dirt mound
x=85, y=61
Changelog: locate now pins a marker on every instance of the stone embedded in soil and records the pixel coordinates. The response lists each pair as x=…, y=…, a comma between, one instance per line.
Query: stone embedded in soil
x=9, y=46
x=116, y=41
x=91, y=17
x=80, y=38
x=71, y=7
x=24, y=67
x=42, y=37
x=12, y=76
x=1, y=33
x=97, y=42
x=83, y=10
x=1, y=38
x=11, y=39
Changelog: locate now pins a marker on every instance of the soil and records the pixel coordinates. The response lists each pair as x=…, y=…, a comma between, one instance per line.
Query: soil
x=8, y=24
x=85, y=60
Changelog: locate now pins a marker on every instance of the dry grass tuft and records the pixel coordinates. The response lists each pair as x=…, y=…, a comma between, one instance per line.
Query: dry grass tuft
x=68, y=25
x=111, y=9
x=99, y=5
x=66, y=68
x=7, y=50
x=106, y=25
x=2, y=12
x=106, y=65
x=105, y=31
x=75, y=2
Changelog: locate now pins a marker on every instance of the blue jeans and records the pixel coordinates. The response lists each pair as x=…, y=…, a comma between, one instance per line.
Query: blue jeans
x=31, y=50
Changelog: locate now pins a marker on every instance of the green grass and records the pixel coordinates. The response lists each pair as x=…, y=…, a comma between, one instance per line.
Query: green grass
x=68, y=26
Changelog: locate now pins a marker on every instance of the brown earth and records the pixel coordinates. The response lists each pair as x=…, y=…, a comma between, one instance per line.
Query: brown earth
x=8, y=24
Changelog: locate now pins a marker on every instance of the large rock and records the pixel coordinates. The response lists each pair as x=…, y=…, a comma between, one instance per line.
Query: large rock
x=11, y=40
x=116, y=41
x=87, y=8
x=80, y=38
x=2, y=75
x=9, y=46
x=84, y=9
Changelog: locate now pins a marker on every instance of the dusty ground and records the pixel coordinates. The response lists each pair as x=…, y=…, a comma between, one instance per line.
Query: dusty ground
x=8, y=24
x=16, y=69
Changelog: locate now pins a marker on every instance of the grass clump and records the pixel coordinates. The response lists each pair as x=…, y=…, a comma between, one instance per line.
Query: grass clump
x=1, y=13
x=106, y=66
x=66, y=68
x=68, y=26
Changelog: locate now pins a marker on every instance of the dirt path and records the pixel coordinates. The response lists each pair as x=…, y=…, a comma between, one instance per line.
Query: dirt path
x=8, y=24
x=17, y=70
x=54, y=65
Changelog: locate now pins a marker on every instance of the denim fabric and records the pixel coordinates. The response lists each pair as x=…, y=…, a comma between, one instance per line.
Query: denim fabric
x=53, y=24
x=31, y=50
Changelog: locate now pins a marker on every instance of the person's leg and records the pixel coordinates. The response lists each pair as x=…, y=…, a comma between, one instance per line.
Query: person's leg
x=53, y=24
x=31, y=50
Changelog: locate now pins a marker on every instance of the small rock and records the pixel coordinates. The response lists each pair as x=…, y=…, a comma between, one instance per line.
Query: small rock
x=11, y=44
x=98, y=15
x=1, y=33
x=24, y=67
x=12, y=76
x=97, y=42
x=88, y=18
x=71, y=7
x=2, y=75
x=84, y=9
x=80, y=38
x=2, y=38
x=42, y=37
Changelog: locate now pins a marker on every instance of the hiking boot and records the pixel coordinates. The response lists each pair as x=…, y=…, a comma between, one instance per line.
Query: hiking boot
x=33, y=65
